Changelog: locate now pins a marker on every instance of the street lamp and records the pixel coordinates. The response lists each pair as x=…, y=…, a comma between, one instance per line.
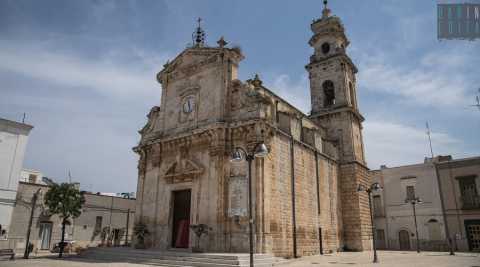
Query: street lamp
x=369, y=190
x=259, y=151
x=415, y=201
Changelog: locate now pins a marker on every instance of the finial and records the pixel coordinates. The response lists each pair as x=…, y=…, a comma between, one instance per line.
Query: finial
x=256, y=81
x=326, y=10
x=199, y=35
x=221, y=43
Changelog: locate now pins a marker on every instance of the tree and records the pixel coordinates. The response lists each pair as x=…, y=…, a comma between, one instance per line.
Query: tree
x=66, y=201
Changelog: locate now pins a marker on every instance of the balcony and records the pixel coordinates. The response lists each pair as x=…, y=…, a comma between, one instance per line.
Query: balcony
x=470, y=202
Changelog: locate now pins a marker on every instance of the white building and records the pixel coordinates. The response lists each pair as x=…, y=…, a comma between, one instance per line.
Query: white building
x=394, y=219
x=13, y=142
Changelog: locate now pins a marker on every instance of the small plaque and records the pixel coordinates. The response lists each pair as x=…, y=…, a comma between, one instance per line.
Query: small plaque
x=238, y=196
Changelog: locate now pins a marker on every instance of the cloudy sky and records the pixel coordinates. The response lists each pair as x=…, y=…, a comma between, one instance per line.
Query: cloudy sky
x=84, y=73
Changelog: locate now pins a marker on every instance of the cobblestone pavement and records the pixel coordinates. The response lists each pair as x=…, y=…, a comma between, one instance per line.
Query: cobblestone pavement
x=386, y=258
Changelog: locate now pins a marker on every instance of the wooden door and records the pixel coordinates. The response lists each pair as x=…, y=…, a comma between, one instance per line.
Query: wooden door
x=404, y=240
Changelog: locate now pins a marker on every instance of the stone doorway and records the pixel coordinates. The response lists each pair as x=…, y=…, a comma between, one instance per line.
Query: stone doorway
x=404, y=240
x=181, y=218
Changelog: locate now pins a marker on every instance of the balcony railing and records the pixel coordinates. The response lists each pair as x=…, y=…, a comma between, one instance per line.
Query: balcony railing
x=470, y=202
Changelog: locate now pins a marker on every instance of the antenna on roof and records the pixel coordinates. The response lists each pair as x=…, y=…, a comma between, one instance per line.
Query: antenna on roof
x=477, y=100
x=69, y=177
x=429, y=139
x=23, y=119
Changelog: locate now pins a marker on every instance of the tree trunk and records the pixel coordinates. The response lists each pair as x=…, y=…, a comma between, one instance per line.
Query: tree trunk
x=62, y=243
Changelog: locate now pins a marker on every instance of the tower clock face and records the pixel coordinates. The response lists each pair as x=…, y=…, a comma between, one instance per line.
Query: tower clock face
x=188, y=105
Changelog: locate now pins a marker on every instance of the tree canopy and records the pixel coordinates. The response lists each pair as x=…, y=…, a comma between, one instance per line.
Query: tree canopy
x=64, y=200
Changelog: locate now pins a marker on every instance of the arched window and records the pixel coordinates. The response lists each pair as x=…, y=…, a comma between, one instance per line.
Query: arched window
x=329, y=92
x=352, y=95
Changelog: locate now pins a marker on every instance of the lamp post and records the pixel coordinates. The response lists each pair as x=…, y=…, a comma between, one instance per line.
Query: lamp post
x=259, y=151
x=414, y=202
x=369, y=190
x=29, y=229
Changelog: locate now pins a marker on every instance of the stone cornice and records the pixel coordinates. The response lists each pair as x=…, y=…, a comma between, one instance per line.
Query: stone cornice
x=338, y=110
x=341, y=56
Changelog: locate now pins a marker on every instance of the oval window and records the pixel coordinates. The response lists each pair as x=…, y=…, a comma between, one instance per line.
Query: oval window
x=188, y=104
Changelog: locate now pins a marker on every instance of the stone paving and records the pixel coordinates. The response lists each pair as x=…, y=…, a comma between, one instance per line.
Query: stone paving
x=386, y=258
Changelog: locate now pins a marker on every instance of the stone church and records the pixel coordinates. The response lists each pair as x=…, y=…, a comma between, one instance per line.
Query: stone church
x=304, y=197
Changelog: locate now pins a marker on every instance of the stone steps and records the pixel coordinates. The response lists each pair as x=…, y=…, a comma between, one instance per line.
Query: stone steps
x=177, y=259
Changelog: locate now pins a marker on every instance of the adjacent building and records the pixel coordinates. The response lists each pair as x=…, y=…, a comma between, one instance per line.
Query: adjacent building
x=105, y=220
x=460, y=186
x=453, y=182
x=304, y=191
x=13, y=143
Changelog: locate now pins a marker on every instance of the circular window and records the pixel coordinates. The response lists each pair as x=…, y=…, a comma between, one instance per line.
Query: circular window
x=188, y=104
x=325, y=48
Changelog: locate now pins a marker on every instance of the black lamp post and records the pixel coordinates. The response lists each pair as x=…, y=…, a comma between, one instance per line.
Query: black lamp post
x=259, y=151
x=414, y=202
x=369, y=190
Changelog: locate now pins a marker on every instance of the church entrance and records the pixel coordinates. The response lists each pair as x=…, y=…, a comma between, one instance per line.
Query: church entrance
x=181, y=218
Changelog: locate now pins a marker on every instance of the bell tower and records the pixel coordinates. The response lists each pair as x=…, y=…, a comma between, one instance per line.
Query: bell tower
x=333, y=86
x=334, y=107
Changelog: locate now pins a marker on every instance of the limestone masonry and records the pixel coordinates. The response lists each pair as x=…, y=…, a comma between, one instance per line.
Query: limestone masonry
x=304, y=192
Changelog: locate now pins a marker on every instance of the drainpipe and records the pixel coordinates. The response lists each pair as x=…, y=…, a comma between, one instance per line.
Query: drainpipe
x=294, y=220
x=318, y=200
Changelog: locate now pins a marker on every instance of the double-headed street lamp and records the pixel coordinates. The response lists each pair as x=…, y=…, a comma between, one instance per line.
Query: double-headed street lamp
x=414, y=202
x=369, y=190
x=259, y=151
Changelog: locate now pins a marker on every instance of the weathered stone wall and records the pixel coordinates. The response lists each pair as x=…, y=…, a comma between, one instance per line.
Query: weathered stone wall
x=308, y=220
x=355, y=209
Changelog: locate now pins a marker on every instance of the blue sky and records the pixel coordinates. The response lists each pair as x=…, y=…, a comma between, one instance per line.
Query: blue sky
x=84, y=72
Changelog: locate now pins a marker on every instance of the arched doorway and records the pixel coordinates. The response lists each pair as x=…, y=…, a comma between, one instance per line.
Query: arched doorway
x=404, y=240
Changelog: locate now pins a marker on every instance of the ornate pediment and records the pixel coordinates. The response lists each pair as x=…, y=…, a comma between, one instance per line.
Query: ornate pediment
x=182, y=170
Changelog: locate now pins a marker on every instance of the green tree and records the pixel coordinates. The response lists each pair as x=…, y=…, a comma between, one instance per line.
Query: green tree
x=66, y=201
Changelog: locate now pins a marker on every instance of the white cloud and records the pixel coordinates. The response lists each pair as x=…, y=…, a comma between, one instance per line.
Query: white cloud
x=106, y=75
x=439, y=78
x=296, y=92
x=396, y=144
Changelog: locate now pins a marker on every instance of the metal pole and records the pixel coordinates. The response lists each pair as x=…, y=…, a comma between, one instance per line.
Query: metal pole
x=250, y=216
x=375, y=258
x=126, y=231
x=416, y=229
x=29, y=229
x=442, y=202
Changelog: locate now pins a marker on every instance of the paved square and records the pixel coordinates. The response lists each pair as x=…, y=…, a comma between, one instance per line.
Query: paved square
x=387, y=258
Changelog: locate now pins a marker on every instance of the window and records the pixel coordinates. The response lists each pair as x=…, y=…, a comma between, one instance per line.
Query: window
x=98, y=223
x=284, y=122
x=352, y=94
x=476, y=13
x=440, y=12
x=325, y=48
x=459, y=12
x=450, y=27
x=32, y=178
x=468, y=192
x=377, y=206
x=329, y=93
x=410, y=192
x=449, y=14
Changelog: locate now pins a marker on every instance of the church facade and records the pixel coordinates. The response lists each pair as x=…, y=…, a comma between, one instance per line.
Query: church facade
x=304, y=192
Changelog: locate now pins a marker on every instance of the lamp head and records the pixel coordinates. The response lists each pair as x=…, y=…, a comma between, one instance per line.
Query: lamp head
x=261, y=151
x=236, y=156
x=360, y=188
x=376, y=187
